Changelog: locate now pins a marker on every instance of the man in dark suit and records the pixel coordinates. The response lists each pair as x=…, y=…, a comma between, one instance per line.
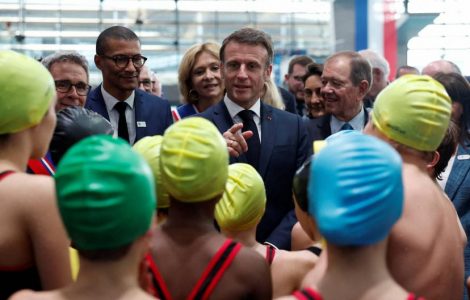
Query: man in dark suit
x=346, y=79
x=133, y=113
x=293, y=79
x=288, y=99
x=271, y=140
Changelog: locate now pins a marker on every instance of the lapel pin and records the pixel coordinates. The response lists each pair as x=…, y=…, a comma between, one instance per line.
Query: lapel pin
x=463, y=156
x=141, y=124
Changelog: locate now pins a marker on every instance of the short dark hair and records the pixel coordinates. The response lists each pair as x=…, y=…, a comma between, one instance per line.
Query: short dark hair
x=105, y=254
x=360, y=66
x=458, y=89
x=302, y=60
x=446, y=149
x=4, y=137
x=313, y=69
x=249, y=36
x=406, y=67
x=114, y=32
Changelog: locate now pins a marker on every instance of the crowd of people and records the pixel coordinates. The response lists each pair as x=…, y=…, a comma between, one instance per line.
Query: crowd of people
x=342, y=185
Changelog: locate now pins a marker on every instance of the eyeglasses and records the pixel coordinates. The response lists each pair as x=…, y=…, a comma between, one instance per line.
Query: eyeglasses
x=64, y=86
x=146, y=82
x=122, y=61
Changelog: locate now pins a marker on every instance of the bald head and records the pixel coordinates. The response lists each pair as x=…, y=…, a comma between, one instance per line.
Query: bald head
x=442, y=65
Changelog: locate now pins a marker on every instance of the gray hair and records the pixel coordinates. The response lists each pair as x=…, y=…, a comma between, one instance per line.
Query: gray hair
x=66, y=56
x=376, y=61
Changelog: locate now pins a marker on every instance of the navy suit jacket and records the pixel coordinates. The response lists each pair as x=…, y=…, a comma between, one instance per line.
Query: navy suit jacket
x=288, y=99
x=152, y=110
x=458, y=190
x=283, y=150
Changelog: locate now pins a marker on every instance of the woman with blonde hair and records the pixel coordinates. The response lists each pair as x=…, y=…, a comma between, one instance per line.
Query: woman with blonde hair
x=33, y=243
x=199, y=79
x=271, y=95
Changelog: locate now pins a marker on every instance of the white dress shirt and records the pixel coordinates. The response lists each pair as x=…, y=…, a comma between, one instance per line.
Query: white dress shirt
x=113, y=114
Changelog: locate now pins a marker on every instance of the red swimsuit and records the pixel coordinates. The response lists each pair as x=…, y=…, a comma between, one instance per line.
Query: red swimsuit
x=209, y=279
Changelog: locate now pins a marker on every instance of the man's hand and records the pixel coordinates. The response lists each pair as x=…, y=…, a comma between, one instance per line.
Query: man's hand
x=236, y=140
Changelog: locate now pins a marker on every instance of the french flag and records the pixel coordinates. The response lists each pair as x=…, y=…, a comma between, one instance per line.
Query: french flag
x=376, y=29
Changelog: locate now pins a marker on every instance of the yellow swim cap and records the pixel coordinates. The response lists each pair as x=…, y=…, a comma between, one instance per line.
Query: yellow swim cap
x=26, y=92
x=194, y=160
x=414, y=110
x=244, y=200
x=149, y=147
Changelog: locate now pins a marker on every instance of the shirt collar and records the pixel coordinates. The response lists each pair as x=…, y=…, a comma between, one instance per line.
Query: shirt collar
x=357, y=122
x=233, y=108
x=110, y=101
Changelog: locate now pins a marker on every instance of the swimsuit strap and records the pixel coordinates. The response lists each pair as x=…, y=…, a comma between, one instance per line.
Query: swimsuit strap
x=6, y=173
x=215, y=270
x=160, y=288
x=315, y=250
x=307, y=294
x=209, y=278
x=270, y=253
x=412, y=296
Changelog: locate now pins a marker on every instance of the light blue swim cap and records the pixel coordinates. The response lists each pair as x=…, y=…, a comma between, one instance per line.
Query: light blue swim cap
x=355, y=190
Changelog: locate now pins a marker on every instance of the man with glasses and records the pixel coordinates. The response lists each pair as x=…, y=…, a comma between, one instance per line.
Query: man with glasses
x=70, y=72
x=133, y=113
x=145, y=82
x=295, y=84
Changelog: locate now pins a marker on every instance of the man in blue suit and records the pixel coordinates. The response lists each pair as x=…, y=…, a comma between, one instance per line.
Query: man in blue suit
x=346, y=79
x=271, y=140
x=133, y=113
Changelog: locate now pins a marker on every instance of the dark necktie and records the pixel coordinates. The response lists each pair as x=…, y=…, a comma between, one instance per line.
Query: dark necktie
x=122, y=124
x=346, y=126
x=254, y=145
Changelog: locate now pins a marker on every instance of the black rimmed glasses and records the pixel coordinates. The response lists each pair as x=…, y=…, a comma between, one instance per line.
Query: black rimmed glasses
x=122, y=61
x=64, y=86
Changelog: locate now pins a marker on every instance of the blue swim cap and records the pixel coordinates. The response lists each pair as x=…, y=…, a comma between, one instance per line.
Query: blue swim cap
x=355, y=190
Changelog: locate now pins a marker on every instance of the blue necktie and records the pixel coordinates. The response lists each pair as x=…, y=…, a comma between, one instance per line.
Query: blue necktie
x=346, y=126
x=254, y=145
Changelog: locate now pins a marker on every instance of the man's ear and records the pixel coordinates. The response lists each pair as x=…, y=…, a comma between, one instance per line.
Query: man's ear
x=267, y=72
x=435, y=159
x=363, y=88
x=98, y=61
x=222, y=70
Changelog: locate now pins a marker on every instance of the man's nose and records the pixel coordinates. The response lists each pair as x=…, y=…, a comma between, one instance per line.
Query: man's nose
x=242, y=72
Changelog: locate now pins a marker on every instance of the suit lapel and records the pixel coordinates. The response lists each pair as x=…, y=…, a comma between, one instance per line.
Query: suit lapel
x=139, y=115
x=268, y=130
x=223, y=121
x=458, y=173
x=324, y=127
x=98, y=103
x=366, y=116
x=222, y=118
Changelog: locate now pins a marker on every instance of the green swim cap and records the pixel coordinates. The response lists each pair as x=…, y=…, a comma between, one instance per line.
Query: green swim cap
x=149, y=147
x=26, y=92
x=105, y=192
x=244, y=200
x=414, y=110
x=194, y=160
